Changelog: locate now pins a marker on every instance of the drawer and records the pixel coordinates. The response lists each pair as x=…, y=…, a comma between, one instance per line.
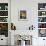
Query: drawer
x=3, y=41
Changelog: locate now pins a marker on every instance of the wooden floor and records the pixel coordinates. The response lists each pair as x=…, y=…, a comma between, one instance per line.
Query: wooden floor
x=3, y=45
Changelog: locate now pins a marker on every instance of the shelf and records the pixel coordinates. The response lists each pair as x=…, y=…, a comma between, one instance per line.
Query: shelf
x=42, y=16
x=3, y=10
x=3, y=16
x=41, y=10
x=41, y=28
x=3, y=22
x=41, y=22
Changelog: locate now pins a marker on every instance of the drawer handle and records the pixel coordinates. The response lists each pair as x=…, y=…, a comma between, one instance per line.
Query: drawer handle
x=43, y=39
x=1, y=39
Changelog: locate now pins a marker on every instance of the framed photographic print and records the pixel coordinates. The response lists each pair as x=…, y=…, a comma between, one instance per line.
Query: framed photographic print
x=22, y=15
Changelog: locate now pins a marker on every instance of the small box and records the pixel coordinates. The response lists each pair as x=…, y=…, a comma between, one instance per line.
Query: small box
x=6, y=7
x=45, y=6
x=43, y=12
x=0, y=7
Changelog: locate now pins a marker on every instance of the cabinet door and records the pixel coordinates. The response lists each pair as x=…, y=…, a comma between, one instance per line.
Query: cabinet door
x=41, y=41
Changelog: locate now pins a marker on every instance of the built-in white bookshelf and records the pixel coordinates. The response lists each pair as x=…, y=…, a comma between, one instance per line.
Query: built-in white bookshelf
x=42, y=19
x=4, y=19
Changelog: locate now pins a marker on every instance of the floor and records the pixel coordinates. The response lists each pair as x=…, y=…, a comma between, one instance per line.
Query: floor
x=3, y=45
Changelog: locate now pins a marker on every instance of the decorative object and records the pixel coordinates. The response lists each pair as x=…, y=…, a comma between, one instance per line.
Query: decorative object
x=4, y=26
x=3, y=19
x=42, y=32
x=23, y=40
x=0, y=7
x=4, y=29
x=41, y=6
x=41, y=19
x=42, y=25
x=31, y=27
x=18, y=42
x=22, y=15
x=13, y=27
x=3, y=13
x=6, y=7
x=43, y=13
x=3, y=6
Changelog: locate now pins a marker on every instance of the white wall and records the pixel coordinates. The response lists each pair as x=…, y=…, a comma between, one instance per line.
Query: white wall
x=31, y=6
